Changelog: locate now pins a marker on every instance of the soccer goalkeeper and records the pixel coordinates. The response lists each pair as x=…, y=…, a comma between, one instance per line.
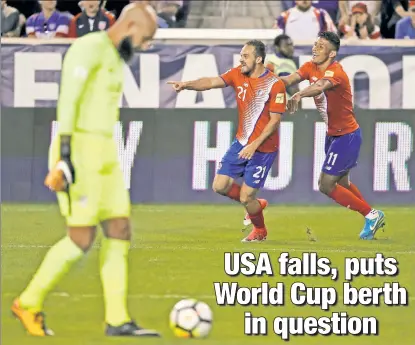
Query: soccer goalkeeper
x=85, y=173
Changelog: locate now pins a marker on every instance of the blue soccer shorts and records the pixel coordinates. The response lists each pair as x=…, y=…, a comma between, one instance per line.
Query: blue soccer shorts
x=254, y=171
x=342, y=153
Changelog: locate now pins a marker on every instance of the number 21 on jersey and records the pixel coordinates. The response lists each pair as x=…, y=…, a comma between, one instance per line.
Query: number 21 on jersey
x=241, y=93
x=260, y=171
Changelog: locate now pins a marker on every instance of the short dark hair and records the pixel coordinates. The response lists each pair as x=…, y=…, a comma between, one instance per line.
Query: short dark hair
x=259, y=48
x=280, y=38
x=332, y=37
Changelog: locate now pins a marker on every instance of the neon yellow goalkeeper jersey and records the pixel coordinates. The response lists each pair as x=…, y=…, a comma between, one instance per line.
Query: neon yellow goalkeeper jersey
x=91, y=86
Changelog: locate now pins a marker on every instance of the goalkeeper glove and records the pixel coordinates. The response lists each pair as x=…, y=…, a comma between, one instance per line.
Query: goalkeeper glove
x=62, y=175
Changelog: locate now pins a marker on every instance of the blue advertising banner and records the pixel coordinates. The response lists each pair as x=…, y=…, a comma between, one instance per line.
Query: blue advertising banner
x=382, y=77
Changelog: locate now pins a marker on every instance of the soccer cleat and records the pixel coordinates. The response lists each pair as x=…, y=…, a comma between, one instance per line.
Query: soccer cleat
x=33, y=322
x=130, y=329
x=372, y=225
x=247, y=220
x=256, y=235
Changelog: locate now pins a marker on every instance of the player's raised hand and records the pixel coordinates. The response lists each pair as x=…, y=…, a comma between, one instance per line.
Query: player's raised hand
x=177, y=85
x=293, y=102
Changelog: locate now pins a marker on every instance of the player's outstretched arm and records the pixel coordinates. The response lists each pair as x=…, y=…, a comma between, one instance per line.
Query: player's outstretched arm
x=201, y=84
x=310, y=91
x=291, y=80
x=316, y=89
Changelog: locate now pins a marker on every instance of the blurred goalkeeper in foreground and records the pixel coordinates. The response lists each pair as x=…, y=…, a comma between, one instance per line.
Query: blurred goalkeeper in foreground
x=86, y=175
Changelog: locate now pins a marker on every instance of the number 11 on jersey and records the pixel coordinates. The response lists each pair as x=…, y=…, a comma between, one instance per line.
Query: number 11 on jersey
x=334, y=156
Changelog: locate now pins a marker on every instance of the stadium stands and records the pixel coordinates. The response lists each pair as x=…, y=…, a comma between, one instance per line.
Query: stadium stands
x=259, y=14
x=233, y=14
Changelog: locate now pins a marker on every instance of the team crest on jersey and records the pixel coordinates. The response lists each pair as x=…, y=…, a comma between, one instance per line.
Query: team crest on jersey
x=52, y=26
x=80, y=72
x=102, y=25
x=279, y=98
x=329, y=74
x=246, y=84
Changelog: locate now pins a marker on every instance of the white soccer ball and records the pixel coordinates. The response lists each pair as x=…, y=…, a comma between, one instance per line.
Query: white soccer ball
x=191, y=319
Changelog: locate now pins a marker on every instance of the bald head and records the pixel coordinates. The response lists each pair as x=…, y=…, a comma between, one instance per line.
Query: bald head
x=140, y=15
x=135, y=28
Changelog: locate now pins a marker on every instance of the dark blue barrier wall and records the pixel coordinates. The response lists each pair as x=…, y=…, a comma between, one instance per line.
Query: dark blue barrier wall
x=170, y=155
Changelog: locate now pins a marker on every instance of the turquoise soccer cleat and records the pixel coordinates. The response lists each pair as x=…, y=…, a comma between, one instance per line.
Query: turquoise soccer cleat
x=372, y=225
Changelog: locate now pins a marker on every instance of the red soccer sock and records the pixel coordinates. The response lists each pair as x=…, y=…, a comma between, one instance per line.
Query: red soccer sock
x=257, y=216
x=353, y=188
x=234, y=192
x=258, y=220
x=347, y=199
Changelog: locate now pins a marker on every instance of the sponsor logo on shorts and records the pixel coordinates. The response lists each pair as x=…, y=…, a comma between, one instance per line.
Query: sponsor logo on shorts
x=83, y=200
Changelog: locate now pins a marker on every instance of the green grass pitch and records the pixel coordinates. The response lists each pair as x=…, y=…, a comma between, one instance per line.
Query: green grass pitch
x=177, y=252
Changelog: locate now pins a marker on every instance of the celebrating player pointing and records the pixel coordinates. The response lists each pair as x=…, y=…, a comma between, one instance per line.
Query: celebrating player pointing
x=85, y=172
x=331, y=90
x=260, y=97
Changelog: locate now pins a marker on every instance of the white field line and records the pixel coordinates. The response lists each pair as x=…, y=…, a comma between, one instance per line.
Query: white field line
x=241, y=249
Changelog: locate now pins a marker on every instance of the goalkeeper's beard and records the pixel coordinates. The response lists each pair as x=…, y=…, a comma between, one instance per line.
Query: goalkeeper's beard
x=125, y=49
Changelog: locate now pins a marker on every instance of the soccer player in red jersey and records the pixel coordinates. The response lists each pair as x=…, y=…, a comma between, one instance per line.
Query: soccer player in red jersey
x=330, y=87
x=261, y=100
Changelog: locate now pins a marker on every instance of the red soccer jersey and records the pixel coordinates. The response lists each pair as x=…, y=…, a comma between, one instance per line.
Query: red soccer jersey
x=336, y=104
x=256, y=98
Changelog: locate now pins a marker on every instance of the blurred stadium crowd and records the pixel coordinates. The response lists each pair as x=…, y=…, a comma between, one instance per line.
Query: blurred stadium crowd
x=300, y=20
x=63, y=18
